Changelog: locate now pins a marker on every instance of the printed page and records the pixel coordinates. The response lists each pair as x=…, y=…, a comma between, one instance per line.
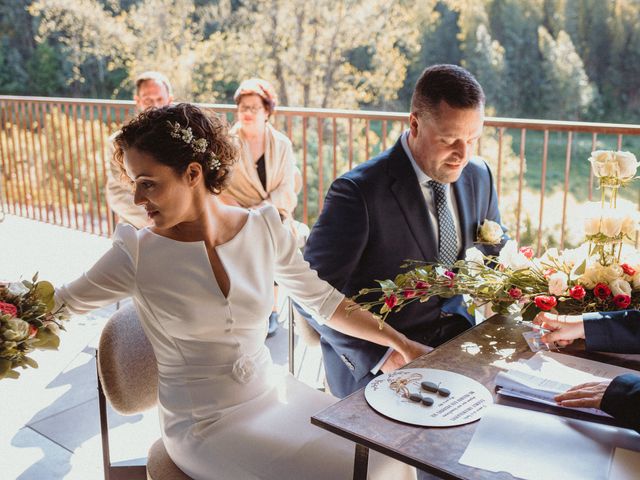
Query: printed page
x=547, y=374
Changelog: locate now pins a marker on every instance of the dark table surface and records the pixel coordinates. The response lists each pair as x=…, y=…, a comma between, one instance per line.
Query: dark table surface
x=479, y=353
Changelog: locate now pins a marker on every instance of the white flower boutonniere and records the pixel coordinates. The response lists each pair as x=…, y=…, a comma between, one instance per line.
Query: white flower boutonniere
x=489, y=233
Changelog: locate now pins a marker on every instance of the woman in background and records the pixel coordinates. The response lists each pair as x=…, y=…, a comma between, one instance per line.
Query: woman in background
x=266, y=172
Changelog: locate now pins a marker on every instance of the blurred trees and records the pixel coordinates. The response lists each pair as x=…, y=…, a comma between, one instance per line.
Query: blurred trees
x=558, y=59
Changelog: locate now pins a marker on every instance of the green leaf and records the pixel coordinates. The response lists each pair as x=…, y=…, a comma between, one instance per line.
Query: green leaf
x=5, y=368
x=581, y=269
x=45, y=292
x=387, y=284
x=47, y=340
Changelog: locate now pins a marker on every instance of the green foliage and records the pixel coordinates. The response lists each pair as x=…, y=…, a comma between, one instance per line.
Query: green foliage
x=46, y=71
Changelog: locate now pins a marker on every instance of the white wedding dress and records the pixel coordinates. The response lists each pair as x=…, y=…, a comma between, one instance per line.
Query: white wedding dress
x=224, y=413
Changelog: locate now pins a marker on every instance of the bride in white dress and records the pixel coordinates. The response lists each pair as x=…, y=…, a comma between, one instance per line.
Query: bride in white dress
x=202, y=282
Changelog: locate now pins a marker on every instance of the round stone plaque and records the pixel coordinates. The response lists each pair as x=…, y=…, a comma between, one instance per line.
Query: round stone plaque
x=389, y=395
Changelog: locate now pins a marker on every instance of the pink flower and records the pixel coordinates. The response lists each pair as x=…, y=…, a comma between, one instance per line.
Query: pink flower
x=622, y=300
x=515, y=292
x=527, y=252
x=391, y=301
x=8, y=308
x=577, y=292
x=602, y=291
x=420, y=285
x=545, y=302
x=628, y=269
x=449, y=274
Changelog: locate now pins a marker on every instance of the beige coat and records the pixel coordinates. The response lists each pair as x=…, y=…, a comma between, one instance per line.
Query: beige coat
x=245, y=186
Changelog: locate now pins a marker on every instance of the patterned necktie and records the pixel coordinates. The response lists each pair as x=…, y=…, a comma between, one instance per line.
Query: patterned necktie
x=447, y=241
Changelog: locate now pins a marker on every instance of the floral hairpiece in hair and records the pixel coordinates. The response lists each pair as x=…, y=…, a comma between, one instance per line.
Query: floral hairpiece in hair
x=198, y=145
x=213, y=162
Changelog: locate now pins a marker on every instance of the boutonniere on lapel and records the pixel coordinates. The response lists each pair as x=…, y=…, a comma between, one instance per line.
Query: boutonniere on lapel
x=489, y=233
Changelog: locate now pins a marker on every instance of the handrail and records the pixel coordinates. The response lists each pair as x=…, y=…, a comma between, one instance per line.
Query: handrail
x=528, y=123
x=54, y=158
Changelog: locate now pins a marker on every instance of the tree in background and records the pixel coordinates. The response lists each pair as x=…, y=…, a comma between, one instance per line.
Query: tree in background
x=324, y=54
x=565, y=88
x=346, y=53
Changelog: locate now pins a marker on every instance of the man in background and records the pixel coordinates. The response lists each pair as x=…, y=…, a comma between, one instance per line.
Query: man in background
x=152, y=90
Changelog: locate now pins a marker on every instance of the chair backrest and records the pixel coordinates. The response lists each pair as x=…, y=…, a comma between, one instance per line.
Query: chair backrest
x=126, y=363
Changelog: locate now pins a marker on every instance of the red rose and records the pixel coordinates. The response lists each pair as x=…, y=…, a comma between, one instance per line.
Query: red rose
x=577, y=292
x=527, y=252
x=622, y=300
x=420, y=285
x=449, y=274
x=391, y=301
x=515, y=292
x=33, y=330
x=545, y=302
x=9, y=308
x=628, y=269
x=602, y=291
x=409, y=293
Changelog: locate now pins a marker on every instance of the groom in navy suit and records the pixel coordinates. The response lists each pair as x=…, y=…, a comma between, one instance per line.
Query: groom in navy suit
x=423, y=199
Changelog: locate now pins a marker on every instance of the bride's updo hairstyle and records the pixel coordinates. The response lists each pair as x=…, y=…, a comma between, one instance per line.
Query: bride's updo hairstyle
x=177, y=135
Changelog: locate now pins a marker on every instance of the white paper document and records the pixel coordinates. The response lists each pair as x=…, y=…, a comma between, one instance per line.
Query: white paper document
x=547, y=374
x=539, y=446
x=625, y=465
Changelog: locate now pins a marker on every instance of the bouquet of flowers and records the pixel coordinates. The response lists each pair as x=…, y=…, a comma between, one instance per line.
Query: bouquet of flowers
x=603, y=274
x=27, y=322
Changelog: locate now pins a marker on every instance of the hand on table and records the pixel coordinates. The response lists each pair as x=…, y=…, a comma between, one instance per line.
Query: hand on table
x=564, y=328
x=585, y=395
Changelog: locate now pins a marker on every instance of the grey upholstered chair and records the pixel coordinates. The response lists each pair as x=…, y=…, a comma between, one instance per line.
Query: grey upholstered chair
x=128, y=378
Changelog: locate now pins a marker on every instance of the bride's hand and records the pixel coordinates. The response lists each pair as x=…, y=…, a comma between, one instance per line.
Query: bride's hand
x=412, y=350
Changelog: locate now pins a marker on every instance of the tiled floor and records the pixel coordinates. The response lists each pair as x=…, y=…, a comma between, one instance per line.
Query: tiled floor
x=49, y=427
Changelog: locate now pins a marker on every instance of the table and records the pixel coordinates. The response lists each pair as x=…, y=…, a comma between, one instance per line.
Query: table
x=479, y=353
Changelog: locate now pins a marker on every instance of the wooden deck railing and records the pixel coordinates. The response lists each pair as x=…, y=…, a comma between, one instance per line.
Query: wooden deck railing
x=54, y=154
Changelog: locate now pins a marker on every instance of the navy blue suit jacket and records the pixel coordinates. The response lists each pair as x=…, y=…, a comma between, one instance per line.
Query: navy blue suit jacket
x=374, y=219
x=617, y=332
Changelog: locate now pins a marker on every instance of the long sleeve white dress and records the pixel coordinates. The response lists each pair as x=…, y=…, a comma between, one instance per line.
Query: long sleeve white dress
x=224, y=414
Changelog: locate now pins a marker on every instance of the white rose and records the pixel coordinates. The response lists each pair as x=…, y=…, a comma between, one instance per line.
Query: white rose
x=590, y=277
x=600, y=161
x=16, y=329
x=490, y=232
x=474, y=259
x=558, y=283
x=620, y=287
x=611, y=273
x=611, y=225
x=627, y=164
x=592, y=226
x=629, y=225
x=574, y=257
x=511, y=257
